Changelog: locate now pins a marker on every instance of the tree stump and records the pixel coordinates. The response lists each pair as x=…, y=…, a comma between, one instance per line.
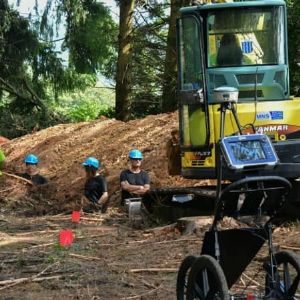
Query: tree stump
x=189, y=225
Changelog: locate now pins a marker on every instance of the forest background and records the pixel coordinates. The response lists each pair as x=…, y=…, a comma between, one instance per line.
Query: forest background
x=119, y=66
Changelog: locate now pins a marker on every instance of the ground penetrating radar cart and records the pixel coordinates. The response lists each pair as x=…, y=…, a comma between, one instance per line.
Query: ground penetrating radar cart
x=253, y=200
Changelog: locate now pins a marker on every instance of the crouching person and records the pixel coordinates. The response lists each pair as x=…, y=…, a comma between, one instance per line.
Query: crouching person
x=95, y=188
x=32, y=171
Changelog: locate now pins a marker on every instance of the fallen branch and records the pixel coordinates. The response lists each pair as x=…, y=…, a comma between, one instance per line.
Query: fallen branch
x=154, y=270
x=94, y=236
x=18, y=177
x=15, y=260
x=36, y=232
x=84, y=257
x=12, y=282
x=76, y=238
x=150, y=242
x=143, y=295
x=290, y=248
x=43, y=245
x=91, y=219
x=26, y=279
x=161, y=230
x=146, y=283
x=8, y=189
x=252, y=280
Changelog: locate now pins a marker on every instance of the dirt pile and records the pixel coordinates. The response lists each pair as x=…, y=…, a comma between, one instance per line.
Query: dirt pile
x=63, y=148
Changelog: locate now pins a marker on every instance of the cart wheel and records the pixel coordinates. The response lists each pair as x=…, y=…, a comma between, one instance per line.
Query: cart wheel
x=287, y=276
x=206, y=280
x=182, y=276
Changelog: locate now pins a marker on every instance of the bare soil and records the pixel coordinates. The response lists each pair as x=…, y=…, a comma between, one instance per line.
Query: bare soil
x=63, y=148
x=110, y=258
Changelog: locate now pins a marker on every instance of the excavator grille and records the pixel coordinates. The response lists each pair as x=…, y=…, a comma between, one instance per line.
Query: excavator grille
x=197, y=162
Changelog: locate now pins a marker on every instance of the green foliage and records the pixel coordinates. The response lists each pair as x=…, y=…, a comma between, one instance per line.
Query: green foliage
x=34, y=80
x=294, y=42
x=14, y=124
x=85, y=111
x=18, y=42
x=92, y=40
x=148, y=59
x=88, y=105
x=90, y=33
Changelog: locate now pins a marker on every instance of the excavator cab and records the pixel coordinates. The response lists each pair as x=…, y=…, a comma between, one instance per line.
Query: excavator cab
x=241, y=45
x=233, y=80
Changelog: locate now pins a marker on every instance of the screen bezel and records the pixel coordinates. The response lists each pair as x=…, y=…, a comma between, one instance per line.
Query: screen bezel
x=270, y=157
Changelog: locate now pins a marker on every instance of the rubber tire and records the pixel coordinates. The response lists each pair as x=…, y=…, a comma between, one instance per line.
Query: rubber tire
x=291, y=258
x=218, y=281
x=182, y=276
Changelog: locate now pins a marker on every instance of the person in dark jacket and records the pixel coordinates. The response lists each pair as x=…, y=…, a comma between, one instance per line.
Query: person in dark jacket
x=173, y=153
x=31, y=170
x=95, y=188
x=230, y=52
x=134, y=181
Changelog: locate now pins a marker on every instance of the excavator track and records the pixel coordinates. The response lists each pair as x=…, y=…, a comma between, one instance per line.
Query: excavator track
x=170, y=204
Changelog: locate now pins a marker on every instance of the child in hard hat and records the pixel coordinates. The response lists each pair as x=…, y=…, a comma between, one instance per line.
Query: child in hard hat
x=31, y=170
x=134, y=181
x=95, y=188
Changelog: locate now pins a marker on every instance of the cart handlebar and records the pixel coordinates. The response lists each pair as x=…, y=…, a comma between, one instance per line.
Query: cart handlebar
x=253, y=195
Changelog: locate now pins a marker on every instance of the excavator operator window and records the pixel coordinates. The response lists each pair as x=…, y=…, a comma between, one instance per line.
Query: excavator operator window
x=190, y=55
x=253, y=36
x=193, y=106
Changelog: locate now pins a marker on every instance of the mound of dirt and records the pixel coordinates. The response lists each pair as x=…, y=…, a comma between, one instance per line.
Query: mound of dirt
x=63, y=148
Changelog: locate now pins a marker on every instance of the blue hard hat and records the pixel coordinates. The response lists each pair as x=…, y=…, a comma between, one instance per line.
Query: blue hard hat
x=135, y=154
x=31, y=159
x=92, y=162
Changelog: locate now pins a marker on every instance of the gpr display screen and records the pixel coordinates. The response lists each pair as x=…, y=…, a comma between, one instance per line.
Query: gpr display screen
x=247, y=151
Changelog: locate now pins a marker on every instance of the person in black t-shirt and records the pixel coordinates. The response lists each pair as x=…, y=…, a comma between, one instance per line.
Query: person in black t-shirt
x=31, y=170
x=95, y=188
x=134, y=181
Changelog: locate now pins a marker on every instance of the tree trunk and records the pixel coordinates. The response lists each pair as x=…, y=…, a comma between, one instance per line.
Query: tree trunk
x=169, y=101
x=123, y=85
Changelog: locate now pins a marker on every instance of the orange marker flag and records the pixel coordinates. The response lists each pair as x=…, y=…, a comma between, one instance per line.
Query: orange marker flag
x=66, y=237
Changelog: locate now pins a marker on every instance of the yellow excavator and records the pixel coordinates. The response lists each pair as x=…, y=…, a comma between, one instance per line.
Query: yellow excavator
x=239, y=46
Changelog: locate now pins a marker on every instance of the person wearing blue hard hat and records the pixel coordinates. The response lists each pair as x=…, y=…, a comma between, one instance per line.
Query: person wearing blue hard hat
x=134, y=181
x=31, y=170
x=95, y=188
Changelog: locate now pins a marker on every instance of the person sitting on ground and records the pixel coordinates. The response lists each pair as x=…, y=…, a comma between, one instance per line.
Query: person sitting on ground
x=31, y=170
x=95, y=188
x=134, y=181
